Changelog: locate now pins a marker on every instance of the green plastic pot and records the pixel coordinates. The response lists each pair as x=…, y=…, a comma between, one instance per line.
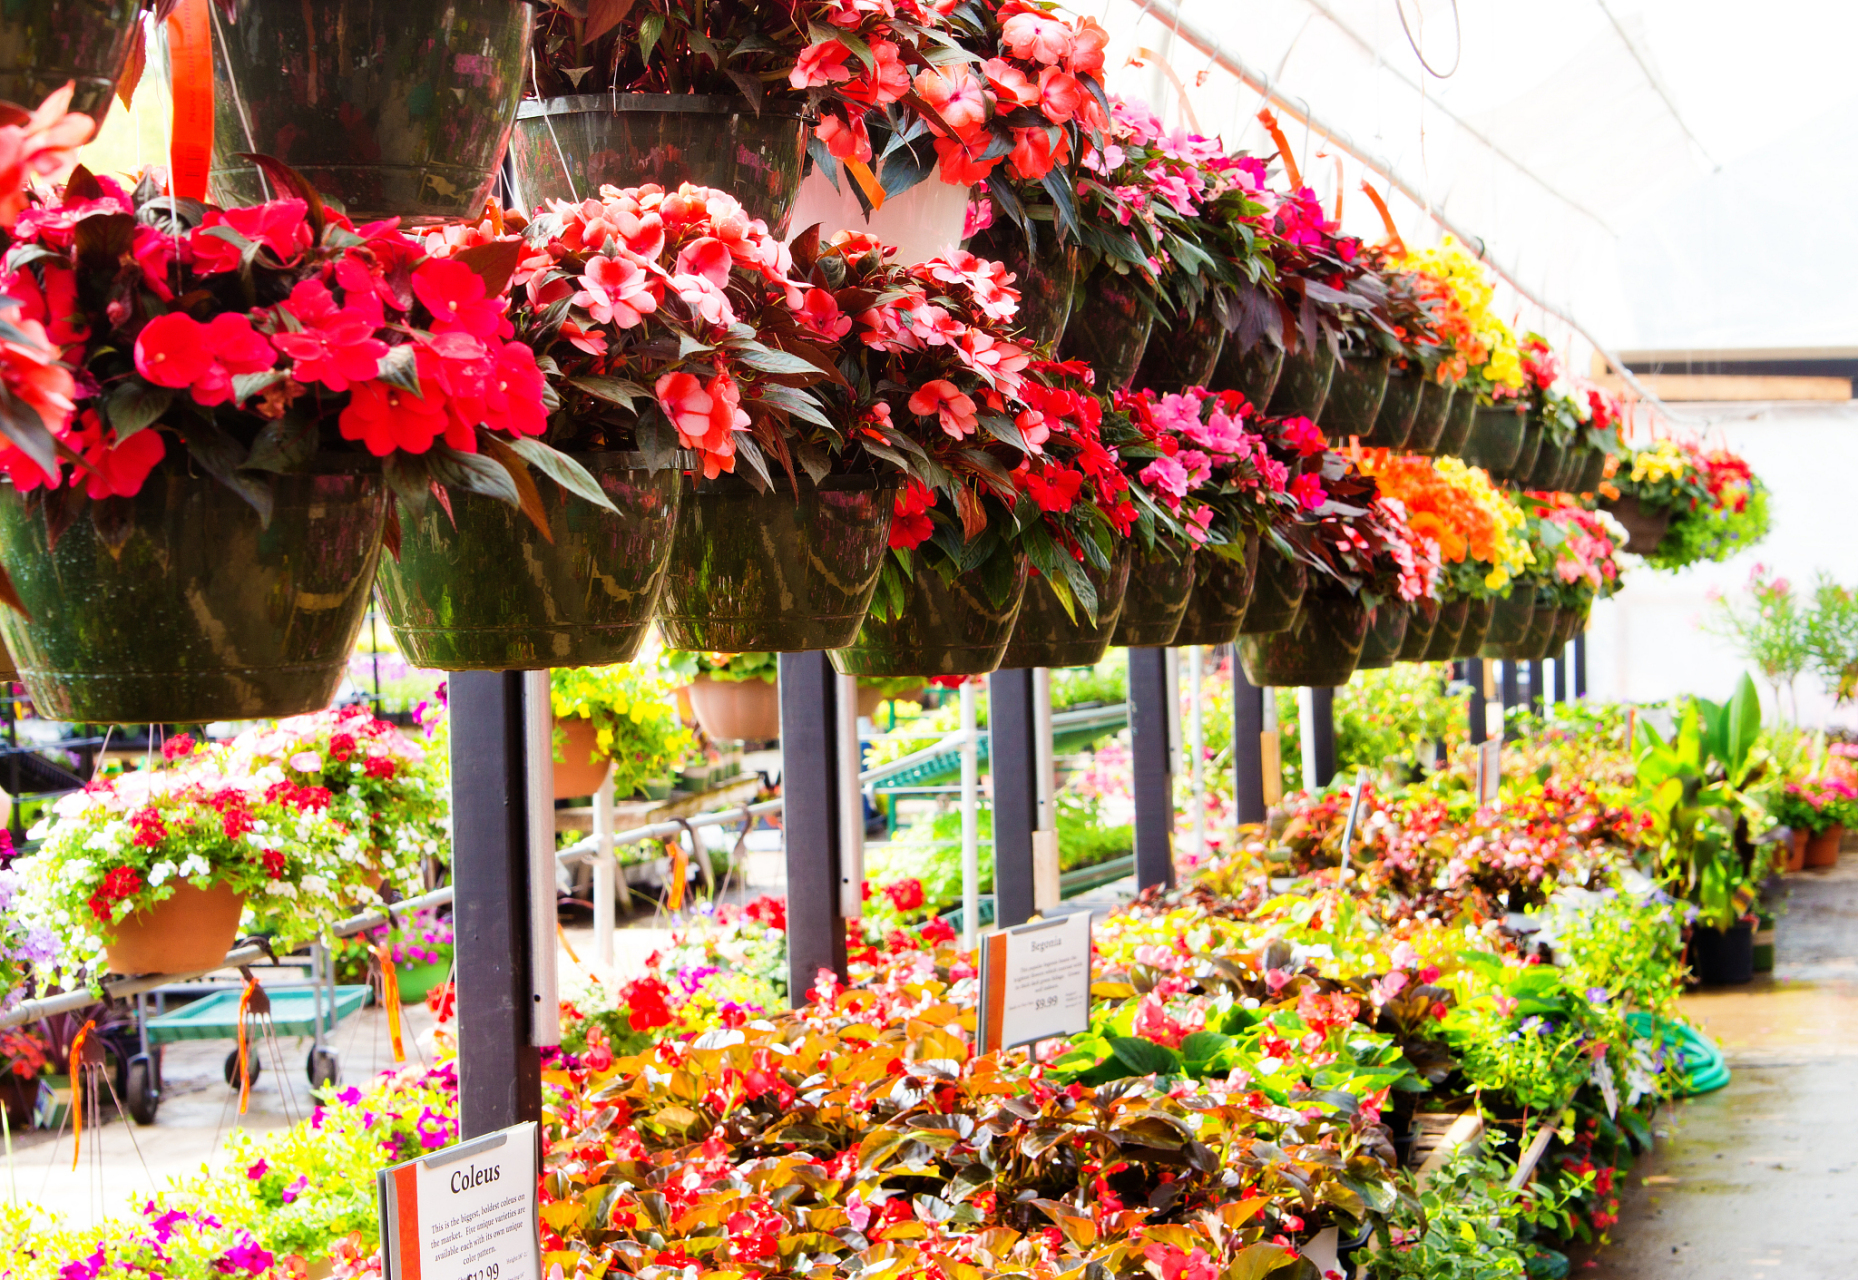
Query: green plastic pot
x=481, y=589
x=1496, y=440
x=1319, y=649
x=1277, y=591
x=1252, y=371
x=394, y=107
x=1435, y=405
x=775, y=572
x=1399, y=407
x=1356, y=390
x=416, y=980
x=1422, y=620
x=44, y=43
x=1161, y=582
x=1109, y=328
x=1046, y=280
x=1222, y=592
x=1387, y=627
x=1303, y=382
x=567, y=148
x=1046, y=636
x=1518, y=471
x=1460, y=418
x=1476, y=623
x=205, y=613
x=1443, y=646
x=944, y=629
x=1509, y=620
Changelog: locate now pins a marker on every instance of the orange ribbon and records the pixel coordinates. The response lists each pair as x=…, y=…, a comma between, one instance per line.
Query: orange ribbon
x=680, y=870
x=873, y=189
x=1393, y=240
x=390, y=995
x=190, y=50
x=1271, y=127
x=77, y=1089
x=245, y=1061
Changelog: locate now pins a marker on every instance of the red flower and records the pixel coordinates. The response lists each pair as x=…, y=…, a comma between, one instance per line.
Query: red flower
x=121, y=882
x=905, y=895
x=115, y=470
x=618, y=291
x=940, y=399
x=456, y=297
x=275, y=863
x=341, y=745
x=911, y=525
x=175, y=350
x=844, y=139
x=706, y=418
x=1308, y=491
x=380, y=767
x=336, y=346
x=150, y=830
x=281, y=224
x=1054, y=488
x=1304, y=436
x=644, y=1000
x=820, y=64
x=385, y=418
x=181, y=744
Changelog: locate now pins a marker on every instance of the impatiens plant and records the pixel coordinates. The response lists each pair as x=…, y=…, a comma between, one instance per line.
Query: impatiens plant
x=1716, y=504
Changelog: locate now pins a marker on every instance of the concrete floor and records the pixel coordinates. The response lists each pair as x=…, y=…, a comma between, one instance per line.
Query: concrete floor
x=1759, y=1181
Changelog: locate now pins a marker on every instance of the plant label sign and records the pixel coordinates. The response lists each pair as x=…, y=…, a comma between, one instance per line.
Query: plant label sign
x=1035, y=982
x=465, y=1213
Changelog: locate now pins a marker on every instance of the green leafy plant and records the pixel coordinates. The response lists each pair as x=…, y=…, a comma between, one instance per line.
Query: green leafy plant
x=1770, y=628
x=729, y=667
x=1831, y=627
x=634, y=718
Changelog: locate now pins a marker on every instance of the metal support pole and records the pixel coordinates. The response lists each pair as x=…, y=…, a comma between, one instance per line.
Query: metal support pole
x=1149, y=752
x=544, y=868
x=1247, y=750
x=1045, y=769
x=1534, y=687
x=499, y=1066
x=1012, y=756
x=809, y=692
x=1321, y=729
x=1580, y=665
x=1480, y=718
x=1561, y=677
x=1196, y=744
x=606, y=871
x=970, y=821
x=851, y=801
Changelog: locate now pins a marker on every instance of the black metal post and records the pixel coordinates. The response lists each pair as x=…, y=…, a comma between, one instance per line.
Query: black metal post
x=1580, y=665
x=1247, y=744
x=1153, y=780
x=1480, y=721
x=1561, y=677
x=1012, y=757
x=1511, y=696
x=1534, y=687
x=499, y=1070
x=810, y=819
x=1322, y=736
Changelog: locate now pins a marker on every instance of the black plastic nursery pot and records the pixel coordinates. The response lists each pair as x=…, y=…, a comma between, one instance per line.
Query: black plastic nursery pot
x=1422, y=620
x=1387, y=627
x=205, y=613
x=568, y=148
x=1046, y=636
x=1399, y=407
x=945, y=628
x=1723, y=957
x=1645, y=527
x=480, y=588
x=1460, y=418
x=1252, y=371
x=1443, y=644
x=1303, y=382
x=1183, y=354
x=1109, y=328
x=1355, y=394
x=1277, y=592
x=1319, y=649
x=1476, y=623
x=775, y=572
x=1222, y=593
x=43, y=45
x=1046, y=277
x=1435, y=405
x=1161, y=582
x=1497, y=438
x=1509, y=620
x=1536, y=640
x=394, y=107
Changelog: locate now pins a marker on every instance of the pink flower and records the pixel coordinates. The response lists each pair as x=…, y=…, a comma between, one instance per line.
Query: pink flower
x=618, y=291
x=706, y=418
x=1033, y=37
x=940, y=399
x=820, y=64
x=44, y=144
x=386, y=418
x=957, y=96
x=979, y=217
x=1304, y=436
x=1060, y=95
x=707, y=257
x=845, y=140
x=282, y=225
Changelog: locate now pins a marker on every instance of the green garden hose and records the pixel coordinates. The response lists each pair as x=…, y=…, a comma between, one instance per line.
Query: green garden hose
x=1706, y=1071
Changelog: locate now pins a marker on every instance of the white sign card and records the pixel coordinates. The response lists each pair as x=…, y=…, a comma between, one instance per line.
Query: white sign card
x=1035, y=982
x=465, y=1213
x=1489, y=771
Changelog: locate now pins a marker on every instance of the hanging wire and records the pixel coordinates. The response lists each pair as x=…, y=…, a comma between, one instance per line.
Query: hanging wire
x=1457, y=34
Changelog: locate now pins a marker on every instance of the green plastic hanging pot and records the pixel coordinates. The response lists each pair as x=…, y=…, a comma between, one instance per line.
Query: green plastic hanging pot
x=1443, y=646
x=1399, y=408
x=480, y=589
x=1303, y=382
x=1509, y=619
x=1592, y=472
x=1476, y=623
x=1277, y=591
x=1319, y=649
x=1182, y=355
x=1252, y=371
x=1161, y=582
x=1046, y=636
x=1570, y=621
x=953, y=628
x=1460, y=418
x=1497, y=439
x=1550, y=462
x=1422, y=621
x=45, y=43
x=1518, y=471
x=205, y=613
x=1387, y=627
x=1046, y=280
x=1435, y=405
x=773, y=572
x=1222, y=592
x=1109, y=328
x=1355, y=394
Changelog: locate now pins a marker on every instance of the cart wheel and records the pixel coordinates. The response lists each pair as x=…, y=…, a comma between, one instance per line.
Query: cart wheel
x=143, y=1088
x=324, y=1066
x=232, y=1065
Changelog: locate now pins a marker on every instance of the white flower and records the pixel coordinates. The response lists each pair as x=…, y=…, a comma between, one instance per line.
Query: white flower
x=160, y=872
x=281, y=889
x=195, y=865
x=315, y=884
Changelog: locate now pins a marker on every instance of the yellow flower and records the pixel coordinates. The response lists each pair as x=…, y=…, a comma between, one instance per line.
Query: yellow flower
x=1470, y=282
x=1663, y=461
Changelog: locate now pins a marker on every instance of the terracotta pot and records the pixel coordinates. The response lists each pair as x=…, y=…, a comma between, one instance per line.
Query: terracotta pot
x=1796, y=851
x=580, y=770
x=944, y=629
x=1303, y=382
x=1046, y=277
x=1253, y=372
x=1443, y=645
x=1109, y=328
x=1319, y=649
x=1476, y=623
x=1460, y=417
x=870, y=698
x=1421, y=622
x=1277, y=592
x=1822, y=847
x=737, y=710
x=1161, y=584
x=1387, y=626
x=1645, y=528
x=190, y=932
x=1045, y=636
x=1399, y=407
x=1435, y=406
x=1222, y=593
x=1183, y=355
x=1497, y=438
x=1355, y=394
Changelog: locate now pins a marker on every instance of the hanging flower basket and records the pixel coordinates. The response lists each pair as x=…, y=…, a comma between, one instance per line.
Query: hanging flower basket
x=1534, y=436
x=1509, y=620
x=1476, y=623
x=1421, y=621
x=45, y=45
x=1045, y=636
x=1222, y=593
x=1252, y=371
x=1570, y=621
x=1303, y=382
x=1277, y=591
x=203, y=613
x=1460, y=417
x=580, y=769
x=1592, y=471
x=1387, y=627
x=1496, y=440
x=1550, y=462
x=1443, y=646
x=737, y=710
x=189, y=932
x=568, y=148
x=944, y=628
x=1046, y=280
x=773, y=572
x=1183, y=355
x=1161, y=583
x=1319, y=649
x=479, y=588
x=1429, y=416
x=1109, y=329
x=1399, y=408
x=1645, y=528
x=1355, y=394
x=397, y=110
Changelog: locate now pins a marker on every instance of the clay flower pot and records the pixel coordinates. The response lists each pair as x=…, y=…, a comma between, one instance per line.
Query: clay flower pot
x=1046, y=277
x=190, y=932
x=580, y=770
x=1443, y=645
x=1460, y=418
x=1645, y=528
x=737, y=710
x=43, y=45
x=1476, y=623
x=1796, y=850
x=1822, y=847
x=1509, y=621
